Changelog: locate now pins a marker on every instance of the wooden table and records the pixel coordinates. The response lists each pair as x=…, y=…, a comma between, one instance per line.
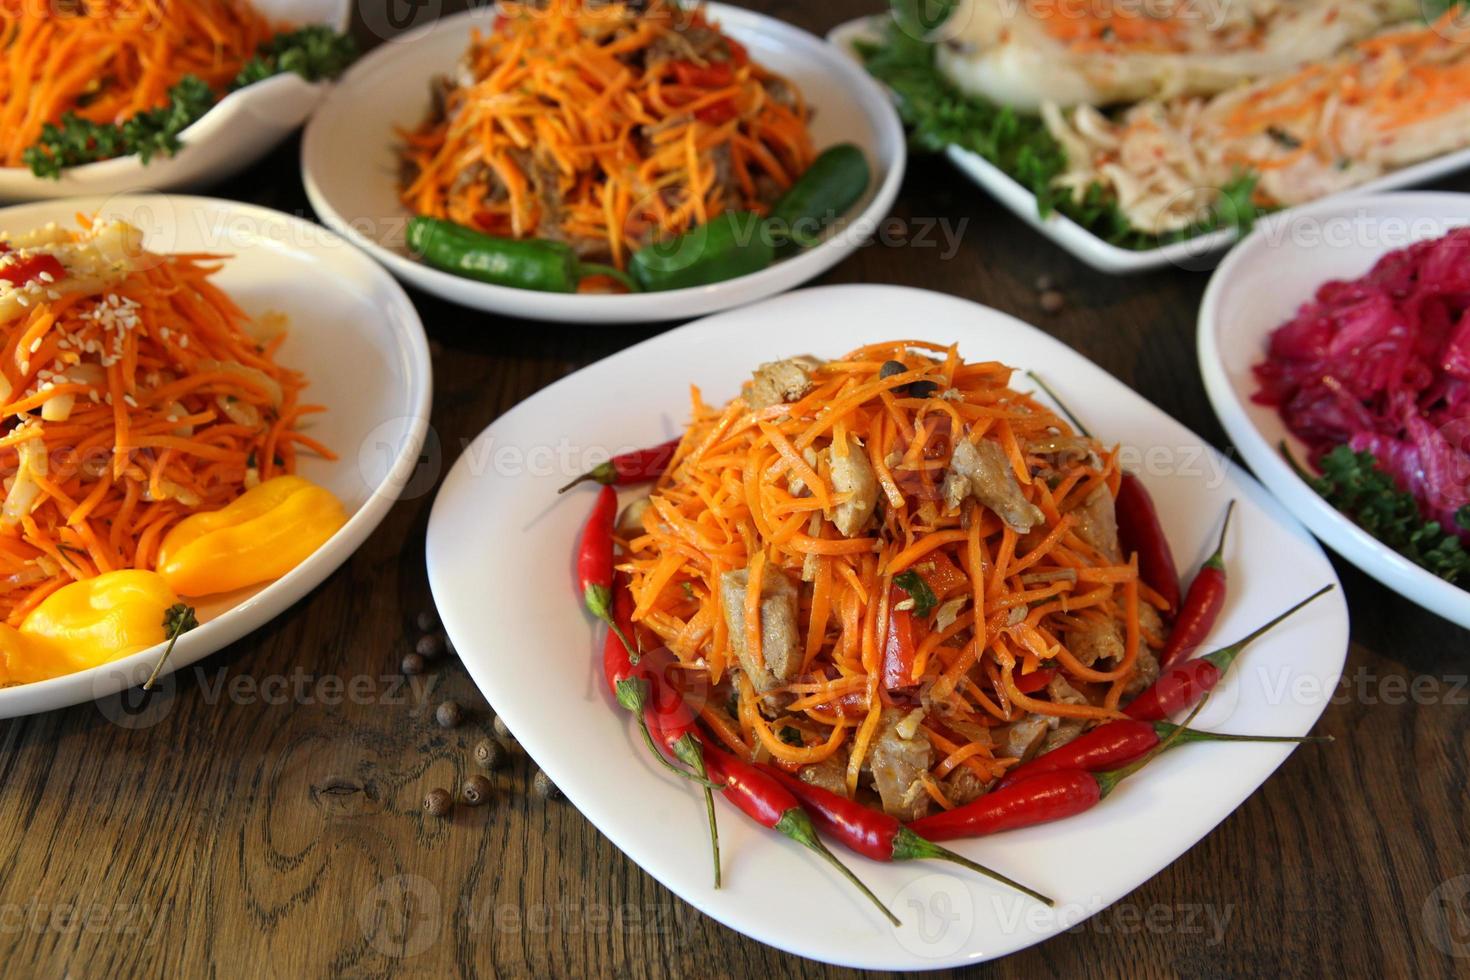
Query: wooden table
x=266, y=817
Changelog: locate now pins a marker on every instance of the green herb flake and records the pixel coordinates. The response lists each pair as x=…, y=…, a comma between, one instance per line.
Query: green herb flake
x=913, y=583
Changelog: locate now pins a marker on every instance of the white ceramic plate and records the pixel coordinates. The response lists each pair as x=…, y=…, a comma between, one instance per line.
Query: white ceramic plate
x=500, y=550
x=361, y=345
x=1260, y=286
x=349, y=162
x=240, y=129
x=1201, y=252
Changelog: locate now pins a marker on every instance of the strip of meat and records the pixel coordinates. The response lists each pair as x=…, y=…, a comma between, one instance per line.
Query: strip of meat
x=779, y=650
x=993, y=483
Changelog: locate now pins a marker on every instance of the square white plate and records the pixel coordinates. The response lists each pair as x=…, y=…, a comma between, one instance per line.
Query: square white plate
x=500, y=556
x=1201, y=252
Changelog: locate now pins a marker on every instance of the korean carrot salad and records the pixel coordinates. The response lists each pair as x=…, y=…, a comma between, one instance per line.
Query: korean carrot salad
x=900, y=575
x=106, y=61
x=605, y=126
x=136, y=393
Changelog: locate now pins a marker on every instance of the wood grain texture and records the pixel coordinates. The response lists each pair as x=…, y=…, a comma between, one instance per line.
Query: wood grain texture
x=263, y=817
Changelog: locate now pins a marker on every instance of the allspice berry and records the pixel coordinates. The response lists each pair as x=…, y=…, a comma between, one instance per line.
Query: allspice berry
x=1052, y=301
x=427, y=621
x=438, y=802
x=412, y=664
x=542, y=785
x=501, y=731
x=449, y=714
x=489, y=754
x=429, y=646
x=476, y=790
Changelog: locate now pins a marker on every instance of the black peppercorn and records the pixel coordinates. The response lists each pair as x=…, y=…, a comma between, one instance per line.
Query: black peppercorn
x=438, y=802
x=476, y=790
x=890, y=368
x=449, y=714
x=544, y=787
x=426, y=621
x=412, y=664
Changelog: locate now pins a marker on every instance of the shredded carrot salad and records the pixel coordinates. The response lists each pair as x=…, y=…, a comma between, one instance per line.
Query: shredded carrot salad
x=135, y=393
x=604, y=126
x=107, y=60
x=836, y=496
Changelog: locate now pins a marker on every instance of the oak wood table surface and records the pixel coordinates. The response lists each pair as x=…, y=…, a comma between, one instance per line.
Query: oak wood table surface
x=264, y=817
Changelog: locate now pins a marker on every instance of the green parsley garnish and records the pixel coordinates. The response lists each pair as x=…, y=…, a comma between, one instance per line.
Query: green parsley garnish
x=913, y=583
x=1353, y=483
x=315, y=53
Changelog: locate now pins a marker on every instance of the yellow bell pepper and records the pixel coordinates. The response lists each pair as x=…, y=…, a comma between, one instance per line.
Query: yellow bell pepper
x=267, y=531
x=87, y=623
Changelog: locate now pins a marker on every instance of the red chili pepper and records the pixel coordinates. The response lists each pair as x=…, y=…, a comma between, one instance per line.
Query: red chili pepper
x=768, y=803
x=715, y=74
x=30, y=268
x=717, y=113
x=875, y=834
x=642, y=689
x=1184, y=684
x=595, y=563
x=1118, y=743
x=1202, y=604
x=638, y=466
x=1041, y=799
x=900, y=643
x=1139, y=531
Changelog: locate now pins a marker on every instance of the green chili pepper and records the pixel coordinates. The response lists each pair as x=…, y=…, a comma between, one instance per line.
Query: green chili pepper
x=830, y=186
x=528, y=263
x=731, y=244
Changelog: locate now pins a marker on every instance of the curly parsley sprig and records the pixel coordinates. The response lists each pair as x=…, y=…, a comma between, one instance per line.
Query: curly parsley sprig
x=314, y=53
x=1353, y=483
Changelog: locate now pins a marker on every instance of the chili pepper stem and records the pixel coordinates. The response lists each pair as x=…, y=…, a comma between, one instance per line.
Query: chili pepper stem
x=794, y=823
x=1081, y=429
x=908, y=845
x=632, y=693
x=687, y=748
x=604, y=473
x=179, y=620
x=598, y=599
x=1223, y=657
x=1169, y=730
x=1217, y=560
x=1108, y=781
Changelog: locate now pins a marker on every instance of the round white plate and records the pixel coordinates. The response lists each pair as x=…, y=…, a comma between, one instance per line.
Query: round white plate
x=500, y=550
x=1260, y=286
x=240, y=129
x=361, y=345
x=350, y=165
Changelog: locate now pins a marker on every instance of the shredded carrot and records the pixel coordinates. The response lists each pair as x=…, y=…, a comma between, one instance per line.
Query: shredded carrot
x=605, y=125
x=108, y=60
x=756, y=489
x=155, y=403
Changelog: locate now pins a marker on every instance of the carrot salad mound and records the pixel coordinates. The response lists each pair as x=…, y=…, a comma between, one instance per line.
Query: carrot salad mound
x=606, y=126
x=900, y=576
x=106, y=61
x=135, y=394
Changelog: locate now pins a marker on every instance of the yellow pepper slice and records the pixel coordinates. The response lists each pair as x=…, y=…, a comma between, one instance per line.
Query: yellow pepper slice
x=267, y=531
x=87, y=623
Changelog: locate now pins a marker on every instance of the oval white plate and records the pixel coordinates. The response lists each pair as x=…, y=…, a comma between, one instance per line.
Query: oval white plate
x=240, y=129
x=361, y=345
x=349, y=163
x=1260, y=286
x=1200, y=252
x=500, y=549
